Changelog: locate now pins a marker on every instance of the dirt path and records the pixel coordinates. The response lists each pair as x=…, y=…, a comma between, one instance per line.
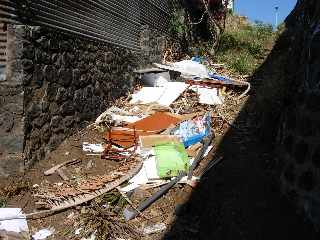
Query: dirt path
x=239, y=199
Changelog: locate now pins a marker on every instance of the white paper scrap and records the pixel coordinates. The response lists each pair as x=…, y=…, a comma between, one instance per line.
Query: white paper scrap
x=207, y=95
x=147, y=173
x=42, y=234
x=93, y=148
x=159, y=227
x=15, y=225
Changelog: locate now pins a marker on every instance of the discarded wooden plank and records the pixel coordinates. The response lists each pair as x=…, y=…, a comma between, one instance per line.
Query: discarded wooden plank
x=55, y=168
x=62, y=174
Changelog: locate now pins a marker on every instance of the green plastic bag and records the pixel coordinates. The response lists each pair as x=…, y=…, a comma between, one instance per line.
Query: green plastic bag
x=171, y=158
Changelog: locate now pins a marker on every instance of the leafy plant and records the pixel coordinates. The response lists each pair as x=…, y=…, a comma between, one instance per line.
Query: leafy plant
x=243, y=64
x=3, y=203
x=243, y=47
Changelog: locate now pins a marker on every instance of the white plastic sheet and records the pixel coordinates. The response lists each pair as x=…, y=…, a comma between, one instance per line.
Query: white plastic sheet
x=164, y=95
x=187, y=68
x=117, y=115
x=42, y=234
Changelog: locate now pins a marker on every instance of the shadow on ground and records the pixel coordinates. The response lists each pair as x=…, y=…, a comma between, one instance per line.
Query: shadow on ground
x=240, y=198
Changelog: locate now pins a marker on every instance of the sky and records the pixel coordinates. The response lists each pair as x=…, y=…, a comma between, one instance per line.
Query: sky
x=264, y=10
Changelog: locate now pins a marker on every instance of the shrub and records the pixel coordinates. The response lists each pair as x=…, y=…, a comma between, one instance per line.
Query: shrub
x=243, y=64
x=243, y=47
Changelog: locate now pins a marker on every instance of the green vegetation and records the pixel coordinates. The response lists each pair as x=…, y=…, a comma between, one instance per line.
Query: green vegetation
x=3, y=203
x=243, y=47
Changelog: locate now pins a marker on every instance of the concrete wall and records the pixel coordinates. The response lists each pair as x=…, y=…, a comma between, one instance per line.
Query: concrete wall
x=57, y=82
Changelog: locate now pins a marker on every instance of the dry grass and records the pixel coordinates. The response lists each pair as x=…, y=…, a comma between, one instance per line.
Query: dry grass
x=103, y=218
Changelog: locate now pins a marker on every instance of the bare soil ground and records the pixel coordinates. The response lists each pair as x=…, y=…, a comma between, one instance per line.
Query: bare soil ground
x=238, y=199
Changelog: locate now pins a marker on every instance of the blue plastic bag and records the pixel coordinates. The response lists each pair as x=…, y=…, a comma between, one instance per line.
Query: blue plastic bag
x=193, y=131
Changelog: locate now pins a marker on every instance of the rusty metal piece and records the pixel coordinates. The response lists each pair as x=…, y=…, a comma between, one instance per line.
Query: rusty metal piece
x=119, y=154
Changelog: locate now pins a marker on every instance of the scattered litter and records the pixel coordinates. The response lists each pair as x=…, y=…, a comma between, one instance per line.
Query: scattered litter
x=92, y=148
x=43, y=234
x=149, y=70
x=193, y=150
x=150, y=144
x=164, y=95
x=130, y=213
x=57, y=198
x=171, y=159
x=148, y=176
x=156, y=228
x=152, y=140
x=193, y=131
x=207, y=95
x=187, y=68
x=114, y=117
x=155, y=123
x=204, y=150
x=18, y=223
x=77, y=231
x=155, y=79
x=127, y=137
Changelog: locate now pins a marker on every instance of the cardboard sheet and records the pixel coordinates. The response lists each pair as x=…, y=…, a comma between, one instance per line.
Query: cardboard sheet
x=152, y=140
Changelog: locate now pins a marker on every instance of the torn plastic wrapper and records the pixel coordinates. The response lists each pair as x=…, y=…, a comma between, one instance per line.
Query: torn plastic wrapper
x=171, y=159
x=187, y=68
x=193, y=131
x=115, y=116
x=148, y=175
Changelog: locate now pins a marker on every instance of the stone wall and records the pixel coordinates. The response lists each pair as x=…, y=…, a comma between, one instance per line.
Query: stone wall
x=68, y=81
x=58, y=82
x=299, y=133
x=152, y=45
x=11, y=106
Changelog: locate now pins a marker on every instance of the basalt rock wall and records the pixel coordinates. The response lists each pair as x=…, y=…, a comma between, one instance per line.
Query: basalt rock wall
x=294, y=116
x=56, y=83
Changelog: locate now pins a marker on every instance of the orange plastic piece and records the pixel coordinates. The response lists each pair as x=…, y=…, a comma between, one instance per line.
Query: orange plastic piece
x=150, y=125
